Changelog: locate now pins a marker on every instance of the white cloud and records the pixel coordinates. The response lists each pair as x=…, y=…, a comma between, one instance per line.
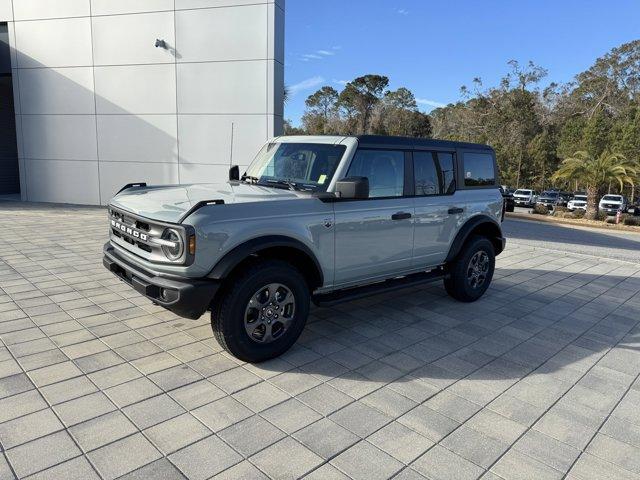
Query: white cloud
x=318, y=54
x=340, y=82
x=336, y=47
x=306, y=84
x=430, y=103
x=403, y=11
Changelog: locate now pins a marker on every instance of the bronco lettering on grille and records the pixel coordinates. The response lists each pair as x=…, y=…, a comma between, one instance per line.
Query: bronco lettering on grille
x=132, y=232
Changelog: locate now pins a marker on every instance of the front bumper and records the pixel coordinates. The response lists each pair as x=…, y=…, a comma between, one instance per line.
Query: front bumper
x=185, y=297
x=610, y=211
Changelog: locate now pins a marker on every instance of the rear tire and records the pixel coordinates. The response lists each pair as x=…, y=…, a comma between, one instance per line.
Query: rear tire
x=262, y=312
x=472, y=270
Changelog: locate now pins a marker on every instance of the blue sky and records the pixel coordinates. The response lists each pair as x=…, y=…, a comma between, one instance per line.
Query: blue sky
x=433, y=48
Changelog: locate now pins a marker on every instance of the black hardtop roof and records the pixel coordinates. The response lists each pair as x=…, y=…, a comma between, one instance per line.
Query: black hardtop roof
x=388, y=141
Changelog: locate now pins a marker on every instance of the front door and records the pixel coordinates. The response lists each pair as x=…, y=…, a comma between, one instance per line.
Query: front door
x=374, y=237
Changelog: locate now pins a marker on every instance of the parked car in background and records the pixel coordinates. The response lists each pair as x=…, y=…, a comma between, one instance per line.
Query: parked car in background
x=507, y=196
x=578, y=202
x=525, y=198
x=552, y=199
x=612, y=204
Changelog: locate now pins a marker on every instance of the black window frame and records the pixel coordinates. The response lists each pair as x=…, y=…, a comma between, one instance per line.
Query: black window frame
x=436, y=151
x=407, y=186
x=409, y=176
x=460, y=162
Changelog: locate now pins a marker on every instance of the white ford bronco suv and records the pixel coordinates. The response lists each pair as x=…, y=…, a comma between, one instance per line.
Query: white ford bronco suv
x=323, y=219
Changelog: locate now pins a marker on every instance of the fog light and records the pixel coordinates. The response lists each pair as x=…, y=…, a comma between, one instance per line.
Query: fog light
x=164, y=294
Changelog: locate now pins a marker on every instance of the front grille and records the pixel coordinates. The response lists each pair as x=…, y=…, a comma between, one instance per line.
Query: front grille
x=143, y=237
x=134, y=234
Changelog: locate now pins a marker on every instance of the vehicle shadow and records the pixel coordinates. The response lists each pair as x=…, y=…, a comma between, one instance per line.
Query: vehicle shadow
x=547, y=321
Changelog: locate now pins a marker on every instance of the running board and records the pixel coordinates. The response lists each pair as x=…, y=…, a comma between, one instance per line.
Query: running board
x=348, y=294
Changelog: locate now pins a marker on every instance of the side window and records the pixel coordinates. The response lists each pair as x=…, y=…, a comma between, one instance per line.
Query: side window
x=479, y=170
x=448, y=172
x=433, y=172
x=383, y=168
x=426, y=173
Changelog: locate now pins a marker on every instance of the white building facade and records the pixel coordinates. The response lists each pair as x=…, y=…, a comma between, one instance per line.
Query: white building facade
x=109, y=92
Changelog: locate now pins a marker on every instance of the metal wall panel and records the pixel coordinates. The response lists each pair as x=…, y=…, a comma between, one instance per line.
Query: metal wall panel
x=98, y=104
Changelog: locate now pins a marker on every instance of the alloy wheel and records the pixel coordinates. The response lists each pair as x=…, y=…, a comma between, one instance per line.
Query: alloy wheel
x=478, y=269
x=269, y=313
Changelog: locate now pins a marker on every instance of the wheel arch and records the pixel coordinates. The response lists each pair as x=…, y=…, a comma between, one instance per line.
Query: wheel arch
x=477, y=225
x=271, y=246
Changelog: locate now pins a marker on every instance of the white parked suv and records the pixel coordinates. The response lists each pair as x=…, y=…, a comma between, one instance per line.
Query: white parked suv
x=525, y=198
x=578, y=202
x=612, y=204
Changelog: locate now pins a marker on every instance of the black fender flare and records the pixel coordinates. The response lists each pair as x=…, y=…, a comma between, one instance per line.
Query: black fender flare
x=241, y=252
x=478, y=222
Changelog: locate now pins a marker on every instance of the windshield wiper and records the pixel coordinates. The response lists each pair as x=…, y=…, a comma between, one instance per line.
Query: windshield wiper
x=288, y=183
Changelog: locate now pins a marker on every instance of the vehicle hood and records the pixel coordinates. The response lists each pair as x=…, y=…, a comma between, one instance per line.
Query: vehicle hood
x=169, y=203
x=612, y=202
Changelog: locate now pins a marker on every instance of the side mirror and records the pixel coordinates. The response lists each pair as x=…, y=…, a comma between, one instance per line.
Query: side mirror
x=234, y=173
x=356, y=188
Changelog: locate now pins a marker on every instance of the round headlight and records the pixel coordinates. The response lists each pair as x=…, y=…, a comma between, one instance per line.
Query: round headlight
x=172, y=252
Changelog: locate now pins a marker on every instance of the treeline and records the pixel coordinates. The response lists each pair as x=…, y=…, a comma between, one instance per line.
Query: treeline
x=363, y=106
x=531, y=128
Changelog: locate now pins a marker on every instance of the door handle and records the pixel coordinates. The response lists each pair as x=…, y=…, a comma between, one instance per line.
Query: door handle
x=453, y=211
x=400, y=216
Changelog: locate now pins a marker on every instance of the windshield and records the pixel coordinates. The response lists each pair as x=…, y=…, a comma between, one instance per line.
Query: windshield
x=522, y=192
x=580, y=198
x=612, y=198
x=550, y=194
x=302, y=166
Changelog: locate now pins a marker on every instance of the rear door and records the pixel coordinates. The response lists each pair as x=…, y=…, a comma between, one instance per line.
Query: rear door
x=374, y=237
x=438, y=208
x=478, y=183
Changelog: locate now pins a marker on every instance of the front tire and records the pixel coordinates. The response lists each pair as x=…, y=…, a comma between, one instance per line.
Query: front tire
x=263, y=312
x=472, y=270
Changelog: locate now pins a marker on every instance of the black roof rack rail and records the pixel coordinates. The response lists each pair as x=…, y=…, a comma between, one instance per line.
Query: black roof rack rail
x=413, y=142
x=198, y=206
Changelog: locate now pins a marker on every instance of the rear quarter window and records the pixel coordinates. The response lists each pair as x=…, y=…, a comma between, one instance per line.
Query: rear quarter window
x=479, y=169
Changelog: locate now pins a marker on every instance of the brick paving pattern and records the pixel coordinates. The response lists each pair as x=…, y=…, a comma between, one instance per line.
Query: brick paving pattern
x=537, y=380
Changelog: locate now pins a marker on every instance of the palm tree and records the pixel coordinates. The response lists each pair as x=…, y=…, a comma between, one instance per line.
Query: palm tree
x=595, y=173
